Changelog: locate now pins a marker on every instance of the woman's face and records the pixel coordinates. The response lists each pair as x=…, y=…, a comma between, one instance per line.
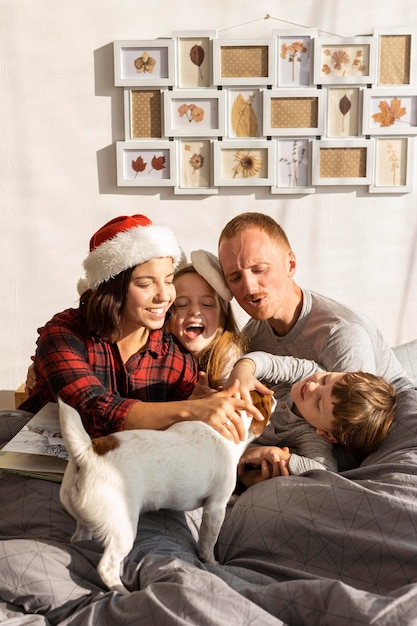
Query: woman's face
x=196, y=313
x=149, y=295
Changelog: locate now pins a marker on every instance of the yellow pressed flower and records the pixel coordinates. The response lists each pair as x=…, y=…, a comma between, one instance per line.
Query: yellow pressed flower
x=248, y=164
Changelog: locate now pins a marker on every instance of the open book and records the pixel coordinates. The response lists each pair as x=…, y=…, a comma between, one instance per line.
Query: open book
x=37, y=449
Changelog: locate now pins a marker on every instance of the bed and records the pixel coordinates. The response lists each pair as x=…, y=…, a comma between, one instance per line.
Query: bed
x=319, y=548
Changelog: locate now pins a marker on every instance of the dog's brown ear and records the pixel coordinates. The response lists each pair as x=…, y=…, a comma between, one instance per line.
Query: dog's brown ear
x=264, y=405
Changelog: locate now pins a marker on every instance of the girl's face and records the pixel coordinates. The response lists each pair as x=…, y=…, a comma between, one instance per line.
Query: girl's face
x=150, y=293
x=313, y=400
x=196, y=313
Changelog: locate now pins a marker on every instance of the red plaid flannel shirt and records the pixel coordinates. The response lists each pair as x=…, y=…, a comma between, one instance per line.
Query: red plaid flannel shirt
x=88, y=373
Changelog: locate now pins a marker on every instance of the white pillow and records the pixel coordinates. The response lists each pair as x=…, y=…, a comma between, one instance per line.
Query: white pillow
x=407, y=355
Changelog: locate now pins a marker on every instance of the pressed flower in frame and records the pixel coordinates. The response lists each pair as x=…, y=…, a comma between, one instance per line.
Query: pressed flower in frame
x=293, y=52
x=145, y=63
x=196, y=162
x=192, y=112
x=248, y=164
x=341, y=61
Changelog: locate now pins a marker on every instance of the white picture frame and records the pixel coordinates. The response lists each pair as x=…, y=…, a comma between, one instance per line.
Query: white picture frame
x=143, y=107
x=146, y=164
x=293, y=166
x=195, y=167
x=294, y=57
x=393, y=165
x=243, y=163
x=347, y=162
x=390, y=111
x=243, y=62
x=344, y=111
x=344, y=60
x=397, y=56
x=194, y=55
x=301, y=110
x=143, y=62
x=194, y=113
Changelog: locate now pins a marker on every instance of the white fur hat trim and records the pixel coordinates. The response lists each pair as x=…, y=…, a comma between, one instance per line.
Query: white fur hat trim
x=208, y=266
x=128, y=249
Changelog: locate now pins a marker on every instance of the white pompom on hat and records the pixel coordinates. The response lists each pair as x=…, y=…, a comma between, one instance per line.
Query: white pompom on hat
x=207, y=265
x=123, y=243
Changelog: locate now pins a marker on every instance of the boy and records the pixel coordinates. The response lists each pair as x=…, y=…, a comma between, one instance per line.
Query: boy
x=315, y=409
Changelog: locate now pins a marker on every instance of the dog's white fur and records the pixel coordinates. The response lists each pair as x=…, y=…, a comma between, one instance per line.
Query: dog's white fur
x=110, y=481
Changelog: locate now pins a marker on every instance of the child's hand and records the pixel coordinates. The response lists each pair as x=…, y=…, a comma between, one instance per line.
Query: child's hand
x=261, y=463
x=202, y=389
x=243, y=371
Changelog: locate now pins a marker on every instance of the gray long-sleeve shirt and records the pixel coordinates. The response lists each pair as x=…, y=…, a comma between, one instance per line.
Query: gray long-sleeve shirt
x=308, y=449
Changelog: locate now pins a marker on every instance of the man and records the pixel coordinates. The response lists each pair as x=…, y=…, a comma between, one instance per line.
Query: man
x=259, y=267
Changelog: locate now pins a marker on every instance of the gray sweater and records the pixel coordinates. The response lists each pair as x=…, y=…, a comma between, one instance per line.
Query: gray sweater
x=335, y=337
x=308, y=449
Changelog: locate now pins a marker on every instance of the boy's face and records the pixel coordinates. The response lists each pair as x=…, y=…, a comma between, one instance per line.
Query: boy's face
x=312, y=399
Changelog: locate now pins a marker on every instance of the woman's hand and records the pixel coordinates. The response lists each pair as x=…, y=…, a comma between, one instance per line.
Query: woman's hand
x=221, y=410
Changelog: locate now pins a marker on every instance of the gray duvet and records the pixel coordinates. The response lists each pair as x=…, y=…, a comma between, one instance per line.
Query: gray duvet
x=318, y=548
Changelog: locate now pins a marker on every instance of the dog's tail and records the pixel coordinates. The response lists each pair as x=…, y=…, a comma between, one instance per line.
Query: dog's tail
x=76, y=439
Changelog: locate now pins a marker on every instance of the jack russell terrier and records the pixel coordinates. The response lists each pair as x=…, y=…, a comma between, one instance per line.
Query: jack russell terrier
x=111, y=480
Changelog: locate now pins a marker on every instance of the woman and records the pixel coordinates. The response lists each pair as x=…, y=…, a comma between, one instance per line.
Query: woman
x=111, y=358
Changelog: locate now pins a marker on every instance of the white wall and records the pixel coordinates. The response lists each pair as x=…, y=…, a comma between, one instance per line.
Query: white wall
x=60, y=117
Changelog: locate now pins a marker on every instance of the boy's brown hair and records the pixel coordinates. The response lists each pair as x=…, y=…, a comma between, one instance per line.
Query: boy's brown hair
x=363, y=411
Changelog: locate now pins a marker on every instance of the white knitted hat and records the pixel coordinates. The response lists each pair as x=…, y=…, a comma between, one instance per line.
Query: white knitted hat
x=208, y=266
x=125, y=242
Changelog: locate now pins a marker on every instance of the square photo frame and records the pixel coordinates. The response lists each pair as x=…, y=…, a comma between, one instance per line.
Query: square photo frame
x=147, y=62
x=244, y=112
x=344, y=111
x=146, y=163
x=195, y=167
x=344, y=60
x=247, y=62
x=347, y=162
x=293, y=166
x=290, y=112
x=390, y=111
x=194, y=113
x=194, y=53
x=397, y=52
x=243, y=163
x=394, y=163
x=295, y=56
x=143, y=113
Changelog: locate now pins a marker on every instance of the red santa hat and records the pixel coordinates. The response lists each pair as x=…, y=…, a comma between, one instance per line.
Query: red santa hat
x=123, y=243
